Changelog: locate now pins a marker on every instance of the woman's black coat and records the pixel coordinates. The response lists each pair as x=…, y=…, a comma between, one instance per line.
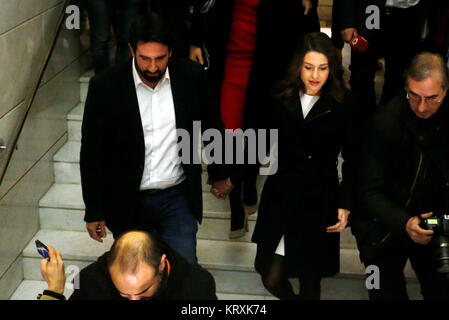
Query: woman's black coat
x=280, y=25
x=302, y=198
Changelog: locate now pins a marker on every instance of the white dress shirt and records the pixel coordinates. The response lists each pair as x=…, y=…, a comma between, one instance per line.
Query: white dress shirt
x=157, y=111
x=307, y=102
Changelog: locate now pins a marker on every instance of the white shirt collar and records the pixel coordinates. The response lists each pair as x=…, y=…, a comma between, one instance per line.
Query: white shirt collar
x=138, y=81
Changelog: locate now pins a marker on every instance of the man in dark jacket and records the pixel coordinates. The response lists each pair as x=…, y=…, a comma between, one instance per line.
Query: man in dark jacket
x=132, y=171
x=138, y=267
x=404, y=177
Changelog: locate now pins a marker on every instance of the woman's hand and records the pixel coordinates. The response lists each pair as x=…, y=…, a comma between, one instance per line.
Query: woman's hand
x=53, y=271
x=307, y=4
x=343, y=215
x=196, y=54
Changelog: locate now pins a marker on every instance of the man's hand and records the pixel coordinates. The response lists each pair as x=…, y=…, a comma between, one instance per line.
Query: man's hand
x=97, y=230
x=196, y=54
x=343, y=215
x=348, y=33
x=415, y=232
x=307, y=4
x=222, y=188
x=52, y=269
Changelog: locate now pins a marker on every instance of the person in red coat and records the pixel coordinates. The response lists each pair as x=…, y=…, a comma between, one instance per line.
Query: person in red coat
x=234, y=39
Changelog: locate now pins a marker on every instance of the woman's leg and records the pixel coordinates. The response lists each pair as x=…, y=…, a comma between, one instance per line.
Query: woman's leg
x=276, y=282
x=309, y=286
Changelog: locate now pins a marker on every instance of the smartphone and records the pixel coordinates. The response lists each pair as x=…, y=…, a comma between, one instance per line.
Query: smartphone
x=42, y=249
x=359, y=44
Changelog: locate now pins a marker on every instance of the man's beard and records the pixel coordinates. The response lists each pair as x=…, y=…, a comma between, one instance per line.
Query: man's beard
x=148, y=76
x=152, y=77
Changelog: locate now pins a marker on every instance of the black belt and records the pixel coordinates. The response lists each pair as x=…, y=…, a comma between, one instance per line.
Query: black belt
x=150, y=192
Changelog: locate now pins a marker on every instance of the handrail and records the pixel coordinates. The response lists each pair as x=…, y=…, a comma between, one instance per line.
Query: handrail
x=29, y=99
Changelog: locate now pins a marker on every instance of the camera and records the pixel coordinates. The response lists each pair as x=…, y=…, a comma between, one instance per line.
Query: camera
x=440, y=241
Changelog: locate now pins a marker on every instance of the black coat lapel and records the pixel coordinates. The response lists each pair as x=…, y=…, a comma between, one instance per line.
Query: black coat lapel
x=129, y=104
x=179, y=87
x=293, y=105
x=321, y=107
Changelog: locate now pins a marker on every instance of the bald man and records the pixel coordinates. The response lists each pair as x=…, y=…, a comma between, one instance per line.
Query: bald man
x=138, y=267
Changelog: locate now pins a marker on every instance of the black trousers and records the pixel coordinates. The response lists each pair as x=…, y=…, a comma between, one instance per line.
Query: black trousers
x=391, y=261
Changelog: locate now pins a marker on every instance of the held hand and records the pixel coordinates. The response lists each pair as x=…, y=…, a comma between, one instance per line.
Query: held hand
x=52, y=270
x=416, y=233
x=97, y=230
x=348, y=33
x=196, y=54
x=220, y=189
x=343, y=215
x=307, y=4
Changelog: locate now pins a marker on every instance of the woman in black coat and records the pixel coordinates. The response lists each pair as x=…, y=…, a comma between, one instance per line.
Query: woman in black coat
x=303, y=206
x=244, y=64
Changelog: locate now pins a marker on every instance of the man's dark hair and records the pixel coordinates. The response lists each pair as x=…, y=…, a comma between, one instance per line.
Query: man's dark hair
x=425, y=64
x=130, y=251
x=151, y=27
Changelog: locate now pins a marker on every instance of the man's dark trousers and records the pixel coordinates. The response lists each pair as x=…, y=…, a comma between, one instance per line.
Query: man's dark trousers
x=169, y=214
x=391, y=261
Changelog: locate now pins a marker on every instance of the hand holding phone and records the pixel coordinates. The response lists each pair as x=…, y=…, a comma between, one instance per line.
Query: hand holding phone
x=52, y=269
x=359, y=44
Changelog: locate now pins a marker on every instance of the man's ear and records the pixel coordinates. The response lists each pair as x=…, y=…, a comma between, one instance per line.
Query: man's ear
x=131, y=49
x=163, y=262
x=169, y=55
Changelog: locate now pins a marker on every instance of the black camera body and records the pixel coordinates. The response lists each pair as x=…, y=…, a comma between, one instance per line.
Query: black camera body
x=440, y=241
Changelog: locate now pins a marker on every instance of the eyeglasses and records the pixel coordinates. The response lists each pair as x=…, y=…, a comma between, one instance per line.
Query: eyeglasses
x=417, y=100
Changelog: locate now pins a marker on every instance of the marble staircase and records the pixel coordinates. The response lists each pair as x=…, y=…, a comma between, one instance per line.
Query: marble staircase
x=230, y=261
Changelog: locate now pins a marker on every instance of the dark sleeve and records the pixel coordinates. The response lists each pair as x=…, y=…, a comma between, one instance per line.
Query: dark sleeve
x=197, y=27
x=347, y=14
x=349, y=154
x=91, y=155
x=211, y=119
x=202, y=285
x=373, y=178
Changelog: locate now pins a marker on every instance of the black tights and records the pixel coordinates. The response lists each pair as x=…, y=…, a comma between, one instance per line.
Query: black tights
x=279, y=286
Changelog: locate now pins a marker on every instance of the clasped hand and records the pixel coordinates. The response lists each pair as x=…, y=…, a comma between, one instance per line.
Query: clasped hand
x=343, y=215
x=220, y=189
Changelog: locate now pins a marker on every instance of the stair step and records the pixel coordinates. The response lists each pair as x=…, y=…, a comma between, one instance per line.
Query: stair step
x=212, y=254
x=331, y=289
x=77, y=113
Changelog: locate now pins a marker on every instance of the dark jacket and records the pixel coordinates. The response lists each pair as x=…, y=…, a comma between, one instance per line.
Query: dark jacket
x=185, y=281
x=354, y=14
x=398, y=152
x=112, y=144
x=302, y=198
x=280, y=25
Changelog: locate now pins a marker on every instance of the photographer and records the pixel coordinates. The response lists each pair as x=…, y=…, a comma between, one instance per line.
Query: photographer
x=403, y=179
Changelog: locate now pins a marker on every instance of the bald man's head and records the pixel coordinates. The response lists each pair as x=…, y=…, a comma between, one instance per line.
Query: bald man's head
x=133, y=249
x=137, y=265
